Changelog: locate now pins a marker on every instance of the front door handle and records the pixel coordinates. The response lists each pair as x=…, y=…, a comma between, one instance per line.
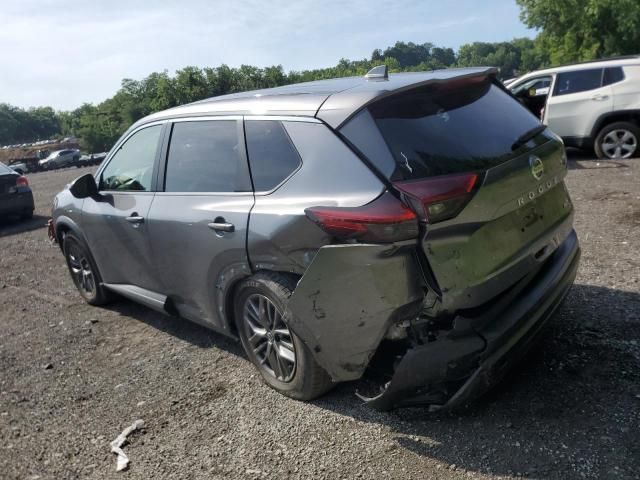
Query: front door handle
x=135, y=219
x=599, y=97
x=221, y=226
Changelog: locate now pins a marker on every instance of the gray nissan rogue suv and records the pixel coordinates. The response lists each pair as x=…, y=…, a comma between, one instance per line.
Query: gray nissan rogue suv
x=412, y=230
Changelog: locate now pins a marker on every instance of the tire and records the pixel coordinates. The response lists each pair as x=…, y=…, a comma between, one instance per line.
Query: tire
x=78, y=257
x=27, y=215
x=302, y=379
x=619, y=140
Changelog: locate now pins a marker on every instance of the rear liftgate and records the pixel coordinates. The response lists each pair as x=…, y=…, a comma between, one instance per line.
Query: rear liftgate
x=441, y=282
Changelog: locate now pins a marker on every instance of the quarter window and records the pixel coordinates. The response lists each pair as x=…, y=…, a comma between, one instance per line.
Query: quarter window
x=578, y=81
x=204, y=156
x=612, y=75
x=271, y=154
x=131, y=167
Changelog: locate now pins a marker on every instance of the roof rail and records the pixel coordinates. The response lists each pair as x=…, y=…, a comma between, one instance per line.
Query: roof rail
x=381, y=72
x=606, y=59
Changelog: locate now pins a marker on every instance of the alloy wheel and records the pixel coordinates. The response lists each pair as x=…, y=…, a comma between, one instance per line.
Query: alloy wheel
x=81, y=271
x=269, y=337
x=619, y=144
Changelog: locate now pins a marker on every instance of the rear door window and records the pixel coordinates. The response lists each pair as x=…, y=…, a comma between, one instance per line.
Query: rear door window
x=449, y=128
x=272, y=156
x=578, y=81
x=205, y=156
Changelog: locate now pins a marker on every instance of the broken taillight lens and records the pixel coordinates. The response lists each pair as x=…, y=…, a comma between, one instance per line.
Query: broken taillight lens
x=384, y=220
x=439, y=198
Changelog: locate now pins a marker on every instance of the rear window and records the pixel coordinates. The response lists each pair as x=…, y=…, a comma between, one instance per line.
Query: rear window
x=204, y=156
x=450, y=128
x=4, y=168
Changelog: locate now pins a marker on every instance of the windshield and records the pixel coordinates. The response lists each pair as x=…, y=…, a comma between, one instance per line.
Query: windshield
x=453, y=127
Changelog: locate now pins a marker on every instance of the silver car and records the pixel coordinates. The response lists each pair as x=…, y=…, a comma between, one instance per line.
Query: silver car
x=60, y=159
x=410, y=230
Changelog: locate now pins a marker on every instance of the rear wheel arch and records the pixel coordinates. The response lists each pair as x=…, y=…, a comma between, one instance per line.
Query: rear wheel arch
x=229, y=306
x=622, y=136
x=632, y=116
x=232, y=293
x=309, y=380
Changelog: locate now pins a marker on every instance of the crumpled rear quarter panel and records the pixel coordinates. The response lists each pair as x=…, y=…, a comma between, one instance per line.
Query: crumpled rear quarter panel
x=348, y=297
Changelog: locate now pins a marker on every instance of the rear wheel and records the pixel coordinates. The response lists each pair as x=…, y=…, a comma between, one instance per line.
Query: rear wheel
x=84, y=273
x=618, y=140
x=283, y=360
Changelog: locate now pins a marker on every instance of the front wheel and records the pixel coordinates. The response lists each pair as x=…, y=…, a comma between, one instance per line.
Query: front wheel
x=283, y=360
x=84, y=273
x=618, y=141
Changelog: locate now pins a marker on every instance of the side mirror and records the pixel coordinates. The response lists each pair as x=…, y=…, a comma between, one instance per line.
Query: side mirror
x=84, y=187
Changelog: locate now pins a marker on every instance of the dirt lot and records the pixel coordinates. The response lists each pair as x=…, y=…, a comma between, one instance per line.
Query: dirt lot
x=72, y=377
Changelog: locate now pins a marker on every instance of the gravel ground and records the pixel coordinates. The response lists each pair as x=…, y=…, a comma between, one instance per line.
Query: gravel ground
x=72, y=377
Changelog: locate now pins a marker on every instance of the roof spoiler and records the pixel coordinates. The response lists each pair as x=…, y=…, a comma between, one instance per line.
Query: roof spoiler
x=379, y=73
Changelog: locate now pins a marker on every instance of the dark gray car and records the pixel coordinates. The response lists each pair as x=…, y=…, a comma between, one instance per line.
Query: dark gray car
x=16, y=197
x=412, y=229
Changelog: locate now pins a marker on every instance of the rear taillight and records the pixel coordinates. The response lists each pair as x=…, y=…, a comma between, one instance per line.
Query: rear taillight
x=384, y=220
x=22, y=181
x=439, y=198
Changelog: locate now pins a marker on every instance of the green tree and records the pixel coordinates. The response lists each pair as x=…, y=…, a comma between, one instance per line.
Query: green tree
x=576, y=30
x=513, y=58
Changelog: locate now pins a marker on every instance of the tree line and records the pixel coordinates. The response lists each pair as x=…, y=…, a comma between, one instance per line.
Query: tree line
x=569, y=31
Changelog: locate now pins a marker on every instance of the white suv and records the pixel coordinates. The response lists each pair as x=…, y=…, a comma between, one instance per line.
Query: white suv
x=590, y=105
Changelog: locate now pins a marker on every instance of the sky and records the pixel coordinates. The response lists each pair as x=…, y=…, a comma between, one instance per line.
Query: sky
x=63, y=53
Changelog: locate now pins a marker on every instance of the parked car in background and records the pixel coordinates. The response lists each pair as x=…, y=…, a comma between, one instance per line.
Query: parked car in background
x=414, y=227
x=590, y=105
x=19, y=167
x=84, y=161
x=90, y=159
x=16, y=197
x=60, y=159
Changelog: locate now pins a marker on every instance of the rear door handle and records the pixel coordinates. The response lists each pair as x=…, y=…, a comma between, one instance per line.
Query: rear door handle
x=221, y=226
x=599, y=97
x=135, y=219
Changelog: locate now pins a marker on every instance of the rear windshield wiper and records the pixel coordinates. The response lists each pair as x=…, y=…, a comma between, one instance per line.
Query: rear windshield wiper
x=528, y=135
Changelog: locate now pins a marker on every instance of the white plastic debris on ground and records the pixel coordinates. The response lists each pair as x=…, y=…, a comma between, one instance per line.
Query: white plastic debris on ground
x=116, y=445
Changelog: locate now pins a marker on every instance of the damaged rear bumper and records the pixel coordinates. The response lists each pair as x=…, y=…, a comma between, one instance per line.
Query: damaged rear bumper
x=457, y=369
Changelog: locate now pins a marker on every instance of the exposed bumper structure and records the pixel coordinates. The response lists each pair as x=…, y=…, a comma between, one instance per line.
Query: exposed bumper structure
x=478, y=352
